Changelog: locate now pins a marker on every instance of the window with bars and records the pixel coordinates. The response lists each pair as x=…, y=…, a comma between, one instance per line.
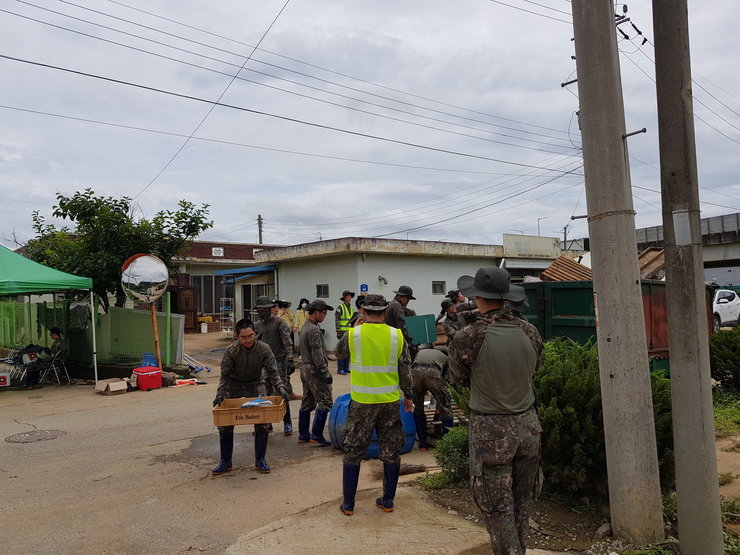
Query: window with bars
x=439, y=287
x=322, y=291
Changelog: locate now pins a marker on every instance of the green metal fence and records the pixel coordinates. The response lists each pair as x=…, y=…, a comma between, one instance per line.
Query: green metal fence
x=123, y=335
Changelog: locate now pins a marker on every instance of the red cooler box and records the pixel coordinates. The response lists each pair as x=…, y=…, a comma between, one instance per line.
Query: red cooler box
x=148, y=378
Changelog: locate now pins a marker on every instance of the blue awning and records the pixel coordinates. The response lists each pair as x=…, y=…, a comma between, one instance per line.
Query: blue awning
x=239, y=272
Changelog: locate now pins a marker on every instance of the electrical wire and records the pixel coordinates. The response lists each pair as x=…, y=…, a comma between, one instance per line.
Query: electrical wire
x=213, y=106
x=333, y=72
x=267, y=114
x=253, y=59
x=297, y=83
x=530, y=11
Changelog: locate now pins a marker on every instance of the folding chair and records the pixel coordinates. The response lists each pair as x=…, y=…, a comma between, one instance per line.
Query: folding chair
x=56, y=365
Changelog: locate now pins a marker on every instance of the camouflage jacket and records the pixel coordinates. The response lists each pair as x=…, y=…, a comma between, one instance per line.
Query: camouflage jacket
x=404, y=365
x=466, y=344
x=244, y=367
x=313, y=348
x=395, y=316
x=276, y=333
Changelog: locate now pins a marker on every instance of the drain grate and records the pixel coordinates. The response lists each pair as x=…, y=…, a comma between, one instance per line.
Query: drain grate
x=35, y=435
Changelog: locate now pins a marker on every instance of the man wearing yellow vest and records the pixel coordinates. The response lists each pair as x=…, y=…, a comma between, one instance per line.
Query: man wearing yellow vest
x=379, y=363
x=342, y=316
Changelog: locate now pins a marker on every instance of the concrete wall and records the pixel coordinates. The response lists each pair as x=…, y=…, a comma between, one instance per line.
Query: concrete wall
x=299, y=278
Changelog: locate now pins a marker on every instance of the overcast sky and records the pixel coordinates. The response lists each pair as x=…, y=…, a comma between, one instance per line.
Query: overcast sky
x=432, y=120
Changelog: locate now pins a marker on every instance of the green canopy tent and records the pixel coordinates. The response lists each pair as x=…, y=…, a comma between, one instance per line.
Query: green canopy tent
x=21, y=276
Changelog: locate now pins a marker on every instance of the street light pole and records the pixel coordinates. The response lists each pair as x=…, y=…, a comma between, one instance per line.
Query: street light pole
x=538, y=224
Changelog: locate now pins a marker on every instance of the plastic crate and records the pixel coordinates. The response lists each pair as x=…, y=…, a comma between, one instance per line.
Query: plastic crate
x=231, y=413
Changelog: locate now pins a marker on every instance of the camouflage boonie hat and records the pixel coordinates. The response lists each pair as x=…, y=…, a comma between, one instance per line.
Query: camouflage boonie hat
x=347, y=292
x=374, y=303
x=447, y=303
x=264, y=302
x=405, y=291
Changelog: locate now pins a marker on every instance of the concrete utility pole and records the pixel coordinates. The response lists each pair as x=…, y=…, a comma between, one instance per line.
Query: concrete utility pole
x=629, y=429
x=259, y=227
x=697, y=487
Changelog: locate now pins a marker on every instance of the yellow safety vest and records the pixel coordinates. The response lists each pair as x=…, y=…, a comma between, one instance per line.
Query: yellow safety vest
x=374, y=350
x=347, y=312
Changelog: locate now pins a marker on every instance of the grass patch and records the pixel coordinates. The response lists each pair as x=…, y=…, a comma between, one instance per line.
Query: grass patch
x=441, y=480
x=726, y=478
x=726, y=413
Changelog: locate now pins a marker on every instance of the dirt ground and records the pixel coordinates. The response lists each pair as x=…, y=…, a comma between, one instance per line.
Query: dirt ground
x=131, y=474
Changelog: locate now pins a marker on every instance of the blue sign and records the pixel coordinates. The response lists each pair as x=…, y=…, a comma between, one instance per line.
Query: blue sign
x=363, y=288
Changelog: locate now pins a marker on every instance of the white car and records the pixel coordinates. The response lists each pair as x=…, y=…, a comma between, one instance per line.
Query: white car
x=726, y=308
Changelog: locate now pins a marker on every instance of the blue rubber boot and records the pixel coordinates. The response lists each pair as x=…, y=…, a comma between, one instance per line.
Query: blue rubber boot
x=226, y=439
x=350, y=477
x=260, y=449
x=287, y=423
x=446, y=425
x=390, y=481
x=317, y=432
x=304, y=423
x=421, y=430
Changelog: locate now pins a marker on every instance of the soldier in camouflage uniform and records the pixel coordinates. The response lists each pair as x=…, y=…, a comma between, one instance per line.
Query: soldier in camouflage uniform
x=244, y=366
x=428, y=372
x=396, y=314
x=497, y=357
x=315, y=376
x=379, y=371
x=275, y=332
x=448, y=319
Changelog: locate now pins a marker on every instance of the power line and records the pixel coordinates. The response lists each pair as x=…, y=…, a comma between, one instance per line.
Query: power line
x=345, y=75
x=245, y=145
x=213, y=106
x=530, y=11
x=262, y=84
x=267, y=114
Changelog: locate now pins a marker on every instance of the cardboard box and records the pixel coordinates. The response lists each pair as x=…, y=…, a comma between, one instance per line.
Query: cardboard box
x=4, y=379
x=111, y=386
x=231, y=413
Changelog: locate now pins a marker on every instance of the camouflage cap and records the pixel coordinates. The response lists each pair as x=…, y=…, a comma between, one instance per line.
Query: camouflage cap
x=453, y=293
x=318, y=305
x=405, y=291
x=264, y=302
x=374, y=303
x=447, y=303
x=347, y=292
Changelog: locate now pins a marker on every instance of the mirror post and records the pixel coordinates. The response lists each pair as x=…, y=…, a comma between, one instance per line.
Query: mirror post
x=168, y=332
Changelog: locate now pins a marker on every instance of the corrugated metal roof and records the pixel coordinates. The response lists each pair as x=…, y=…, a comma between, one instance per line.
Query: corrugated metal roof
x=652, y=263
x=566, y=269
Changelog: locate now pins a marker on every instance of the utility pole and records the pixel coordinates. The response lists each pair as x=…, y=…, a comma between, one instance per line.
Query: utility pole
x=259, y=227
x=629, y=429
x=697, y=487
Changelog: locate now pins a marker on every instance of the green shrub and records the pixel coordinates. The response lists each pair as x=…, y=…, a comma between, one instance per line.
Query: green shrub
x=451, y=453
x=461, y=396
x=724, y=357
x=726, y=413
x=568, y=393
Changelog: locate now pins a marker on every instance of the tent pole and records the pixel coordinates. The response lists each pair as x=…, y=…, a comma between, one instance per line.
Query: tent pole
x=94, y=323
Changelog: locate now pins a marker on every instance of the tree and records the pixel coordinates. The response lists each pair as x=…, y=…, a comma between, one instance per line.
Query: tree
x=106, y=234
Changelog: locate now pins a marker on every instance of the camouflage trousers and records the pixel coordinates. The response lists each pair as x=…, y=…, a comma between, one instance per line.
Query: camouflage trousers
x=429, y=378
x=504, y=471
x=283, y=371
x=234, y=390
x=316, y=393
x=362, y=419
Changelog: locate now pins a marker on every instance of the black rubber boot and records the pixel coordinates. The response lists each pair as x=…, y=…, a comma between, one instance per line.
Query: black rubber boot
x=287, y=422
x=260, y=449
x=350, y=477
x=226, y=439
x=304, y=423
x=421, y=430
x=390, y=481
x=317, y=432
x=446, y=425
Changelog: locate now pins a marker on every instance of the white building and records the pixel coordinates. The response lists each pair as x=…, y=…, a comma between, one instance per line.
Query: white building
x=326, y=268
